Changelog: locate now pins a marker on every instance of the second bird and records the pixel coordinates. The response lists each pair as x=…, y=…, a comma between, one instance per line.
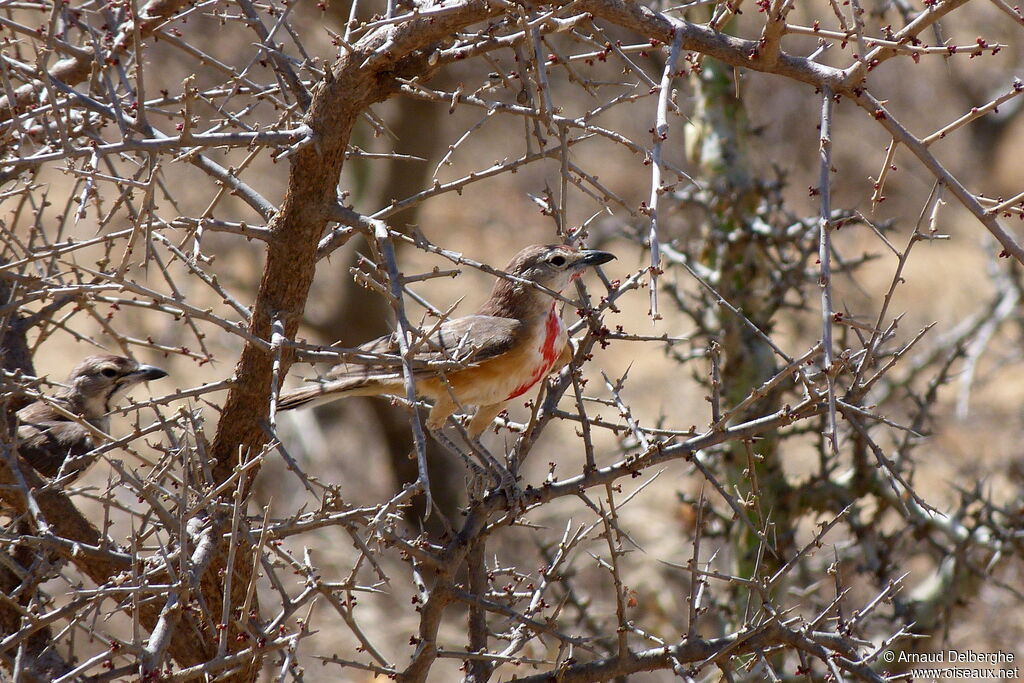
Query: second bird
x=515, y=340
x=52, y=442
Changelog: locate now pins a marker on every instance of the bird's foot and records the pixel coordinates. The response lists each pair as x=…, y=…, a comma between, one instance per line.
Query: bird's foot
x=487, y=474
x=504, y=480
x=508, y=485
x=476, y=484
x=488, y=482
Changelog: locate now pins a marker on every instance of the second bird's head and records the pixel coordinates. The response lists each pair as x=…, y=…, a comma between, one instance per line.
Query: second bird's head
x=99, y=381
x=555, y=265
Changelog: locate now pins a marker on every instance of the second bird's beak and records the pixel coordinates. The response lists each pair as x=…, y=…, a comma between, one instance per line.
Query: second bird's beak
x=146, y=373
x=593, y=257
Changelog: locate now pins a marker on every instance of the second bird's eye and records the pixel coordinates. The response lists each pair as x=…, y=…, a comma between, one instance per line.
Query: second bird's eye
x=557, y=261
x=108, y=372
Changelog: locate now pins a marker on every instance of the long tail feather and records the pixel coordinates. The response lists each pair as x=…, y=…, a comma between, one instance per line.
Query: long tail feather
x=325, y=392
x=301, y=397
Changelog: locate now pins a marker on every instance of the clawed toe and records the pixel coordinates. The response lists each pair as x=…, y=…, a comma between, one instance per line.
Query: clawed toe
x=510, y=487
x=485, y=469
x=504, y=482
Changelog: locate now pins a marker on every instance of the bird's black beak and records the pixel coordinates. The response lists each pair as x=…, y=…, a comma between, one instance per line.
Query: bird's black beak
x=146, y=373
x=593, y=257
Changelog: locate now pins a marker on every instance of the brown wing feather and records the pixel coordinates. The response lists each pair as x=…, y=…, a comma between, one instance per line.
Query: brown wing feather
x=467, y=341
x=473, y=338
x=46, y=445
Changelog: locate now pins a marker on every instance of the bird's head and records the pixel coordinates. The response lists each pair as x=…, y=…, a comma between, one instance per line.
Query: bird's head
x=555, y=265
x=99, y=381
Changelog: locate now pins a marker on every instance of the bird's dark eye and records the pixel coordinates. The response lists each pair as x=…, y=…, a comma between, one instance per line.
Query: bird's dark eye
x=557, y=260
x=108, y=372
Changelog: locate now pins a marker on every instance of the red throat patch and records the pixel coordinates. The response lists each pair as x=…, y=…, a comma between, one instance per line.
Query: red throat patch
x=549, y=352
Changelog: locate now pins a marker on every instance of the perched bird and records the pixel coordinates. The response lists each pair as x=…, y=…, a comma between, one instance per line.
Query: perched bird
x=516, y=339
x=46, y=438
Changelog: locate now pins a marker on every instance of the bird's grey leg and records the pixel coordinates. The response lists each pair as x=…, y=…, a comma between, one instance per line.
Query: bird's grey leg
x=501, y=478
x=506, y=481
x=490, y=464
x=450, y=446
x=443, y=408
x=481, y=421
x=479, y=476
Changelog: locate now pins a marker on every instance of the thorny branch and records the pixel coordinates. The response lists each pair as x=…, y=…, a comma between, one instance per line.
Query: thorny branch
x=192, y=550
